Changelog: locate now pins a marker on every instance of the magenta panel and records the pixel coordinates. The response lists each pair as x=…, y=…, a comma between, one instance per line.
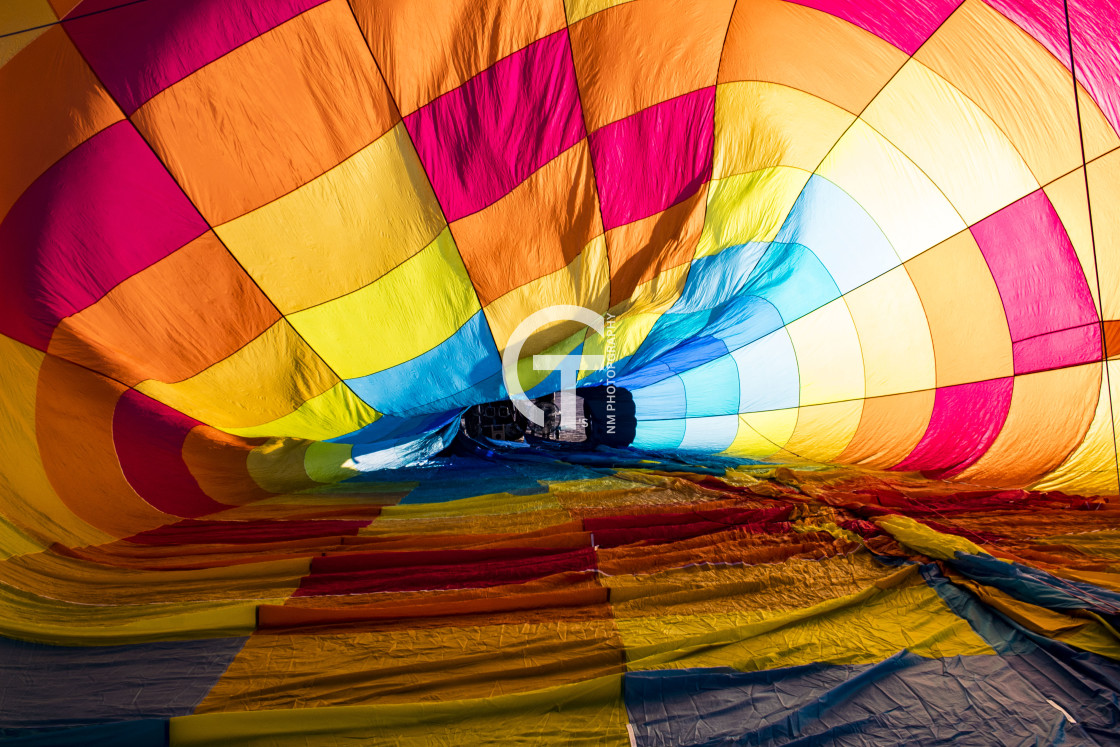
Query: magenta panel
x=904, y=23
x=654, y=159
x=104, y=212
x=484, y=138
x=1096, y=38
x=148, y=437
x=965, y=422
x=1041, y=283
x=139, y=49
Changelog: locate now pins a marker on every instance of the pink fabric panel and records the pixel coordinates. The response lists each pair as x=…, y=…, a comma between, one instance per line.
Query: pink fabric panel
x=965, y=422
x=142, y=48
x=654, y=159
x=148, y=437
x=1041, y=283
x=484, y=138
x=104, y=212
x=904, y=23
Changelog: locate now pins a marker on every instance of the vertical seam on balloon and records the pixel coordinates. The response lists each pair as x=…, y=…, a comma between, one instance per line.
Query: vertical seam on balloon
x=210, y=229
x=411, y=142
x=1092, y=242
x=590, y=154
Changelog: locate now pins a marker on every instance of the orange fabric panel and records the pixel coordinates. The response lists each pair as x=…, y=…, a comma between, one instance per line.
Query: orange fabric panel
x=971, y=341
x=74, y=425
x=219, y=462
x=642, y=250
x=613, y=50
x=780, y=42
x=1049, y=416
x=170, y=321
x=538, y=228
x=889, y=429
x=425, y=54
x=309, y=84
x=39, y=125
x=1112, y=339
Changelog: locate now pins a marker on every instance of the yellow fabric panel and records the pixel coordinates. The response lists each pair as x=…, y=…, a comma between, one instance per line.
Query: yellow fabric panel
x=410, y=310
x=909, y=208
x=1050, y=413
x=333, y=413
x=17, y=15
x=829, y=361
x=918, y=536
x=1091, y=468
x=749, y=207
x=270, y=377
x=278, y=465
x=1020, y=85
x=762, y=434
x=584, y=282
x=1104, y=190
x=964, y=312
x=327, y=462
x=895, y=613
x=760, y=125
x=707, y=589
x=27, y=498
x=893, y=335
x=30, y=617
x=577, y=10
x=590, y=713
x=368, y=214
x=1067, y=195
x=823, y=432
x=996, y=174
x=349, y=668
x=889, y=429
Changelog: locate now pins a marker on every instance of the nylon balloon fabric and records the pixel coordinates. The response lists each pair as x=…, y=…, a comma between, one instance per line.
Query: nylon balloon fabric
x=858, y=266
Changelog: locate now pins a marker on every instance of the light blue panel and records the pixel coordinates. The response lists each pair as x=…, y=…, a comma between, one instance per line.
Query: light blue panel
x=827, y=221
x=794, y=280
x=711, y=435
x=658, y=435
x=449, y=374
x=712, y=389
x=768, y=375
x=664, y=400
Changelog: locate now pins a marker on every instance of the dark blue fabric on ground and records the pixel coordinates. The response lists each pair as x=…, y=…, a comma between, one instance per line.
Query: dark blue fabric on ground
x=905, y=700
x=59, y=687
x=146, y=733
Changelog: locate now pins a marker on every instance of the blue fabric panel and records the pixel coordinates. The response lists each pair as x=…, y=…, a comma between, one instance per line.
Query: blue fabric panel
x=66, y=686
x=658, y=435
x=832, y=225
x=768, y=374
x=711, y=435
x=904, y=700
x=664, y=400
x=794, y=280
x=455, y=366
x=712, y=389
